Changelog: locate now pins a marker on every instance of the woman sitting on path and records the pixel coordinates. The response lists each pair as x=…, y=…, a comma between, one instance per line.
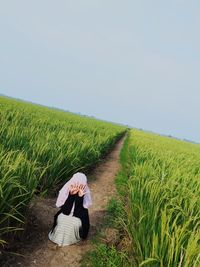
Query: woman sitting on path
x=71, y=222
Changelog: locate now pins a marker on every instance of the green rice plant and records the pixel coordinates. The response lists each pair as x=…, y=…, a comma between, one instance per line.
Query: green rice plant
x=17, y=186
x=161, y=196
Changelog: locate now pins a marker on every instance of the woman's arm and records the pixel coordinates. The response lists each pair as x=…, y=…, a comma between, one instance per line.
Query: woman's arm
x=65, y=209
x=82, y=213
x=67, y=206
x=83, y=232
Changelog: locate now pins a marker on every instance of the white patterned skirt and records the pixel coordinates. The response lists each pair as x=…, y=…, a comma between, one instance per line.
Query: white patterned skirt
x=66, y=231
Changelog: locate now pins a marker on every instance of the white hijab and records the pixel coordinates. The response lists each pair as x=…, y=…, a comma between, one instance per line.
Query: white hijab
x=77, y=178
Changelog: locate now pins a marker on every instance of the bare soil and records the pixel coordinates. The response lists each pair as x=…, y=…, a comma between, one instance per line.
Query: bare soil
x=34, y=247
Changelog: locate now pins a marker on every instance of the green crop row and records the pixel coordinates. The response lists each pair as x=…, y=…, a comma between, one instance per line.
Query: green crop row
x=160, y=185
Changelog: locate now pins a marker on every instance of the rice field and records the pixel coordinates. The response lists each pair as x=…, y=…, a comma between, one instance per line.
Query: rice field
x=41, y=147
x=159, y=182
x=160, y=188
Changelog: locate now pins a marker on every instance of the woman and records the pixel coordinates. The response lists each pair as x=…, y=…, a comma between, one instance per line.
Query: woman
x=71, y=222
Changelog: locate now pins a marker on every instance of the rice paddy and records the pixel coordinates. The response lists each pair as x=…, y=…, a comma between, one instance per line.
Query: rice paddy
x=41, y=147
x=159, y=182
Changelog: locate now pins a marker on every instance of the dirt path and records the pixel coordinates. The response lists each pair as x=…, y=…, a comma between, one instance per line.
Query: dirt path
x=37, y=250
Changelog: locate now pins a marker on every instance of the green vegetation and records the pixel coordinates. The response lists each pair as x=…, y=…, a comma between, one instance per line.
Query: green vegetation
x=157, y=216
x=105, y=254
x=41, y=147
x=159, y=186
x=160, y=183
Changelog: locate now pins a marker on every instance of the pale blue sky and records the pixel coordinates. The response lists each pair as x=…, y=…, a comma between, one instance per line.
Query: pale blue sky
x=133, y=62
